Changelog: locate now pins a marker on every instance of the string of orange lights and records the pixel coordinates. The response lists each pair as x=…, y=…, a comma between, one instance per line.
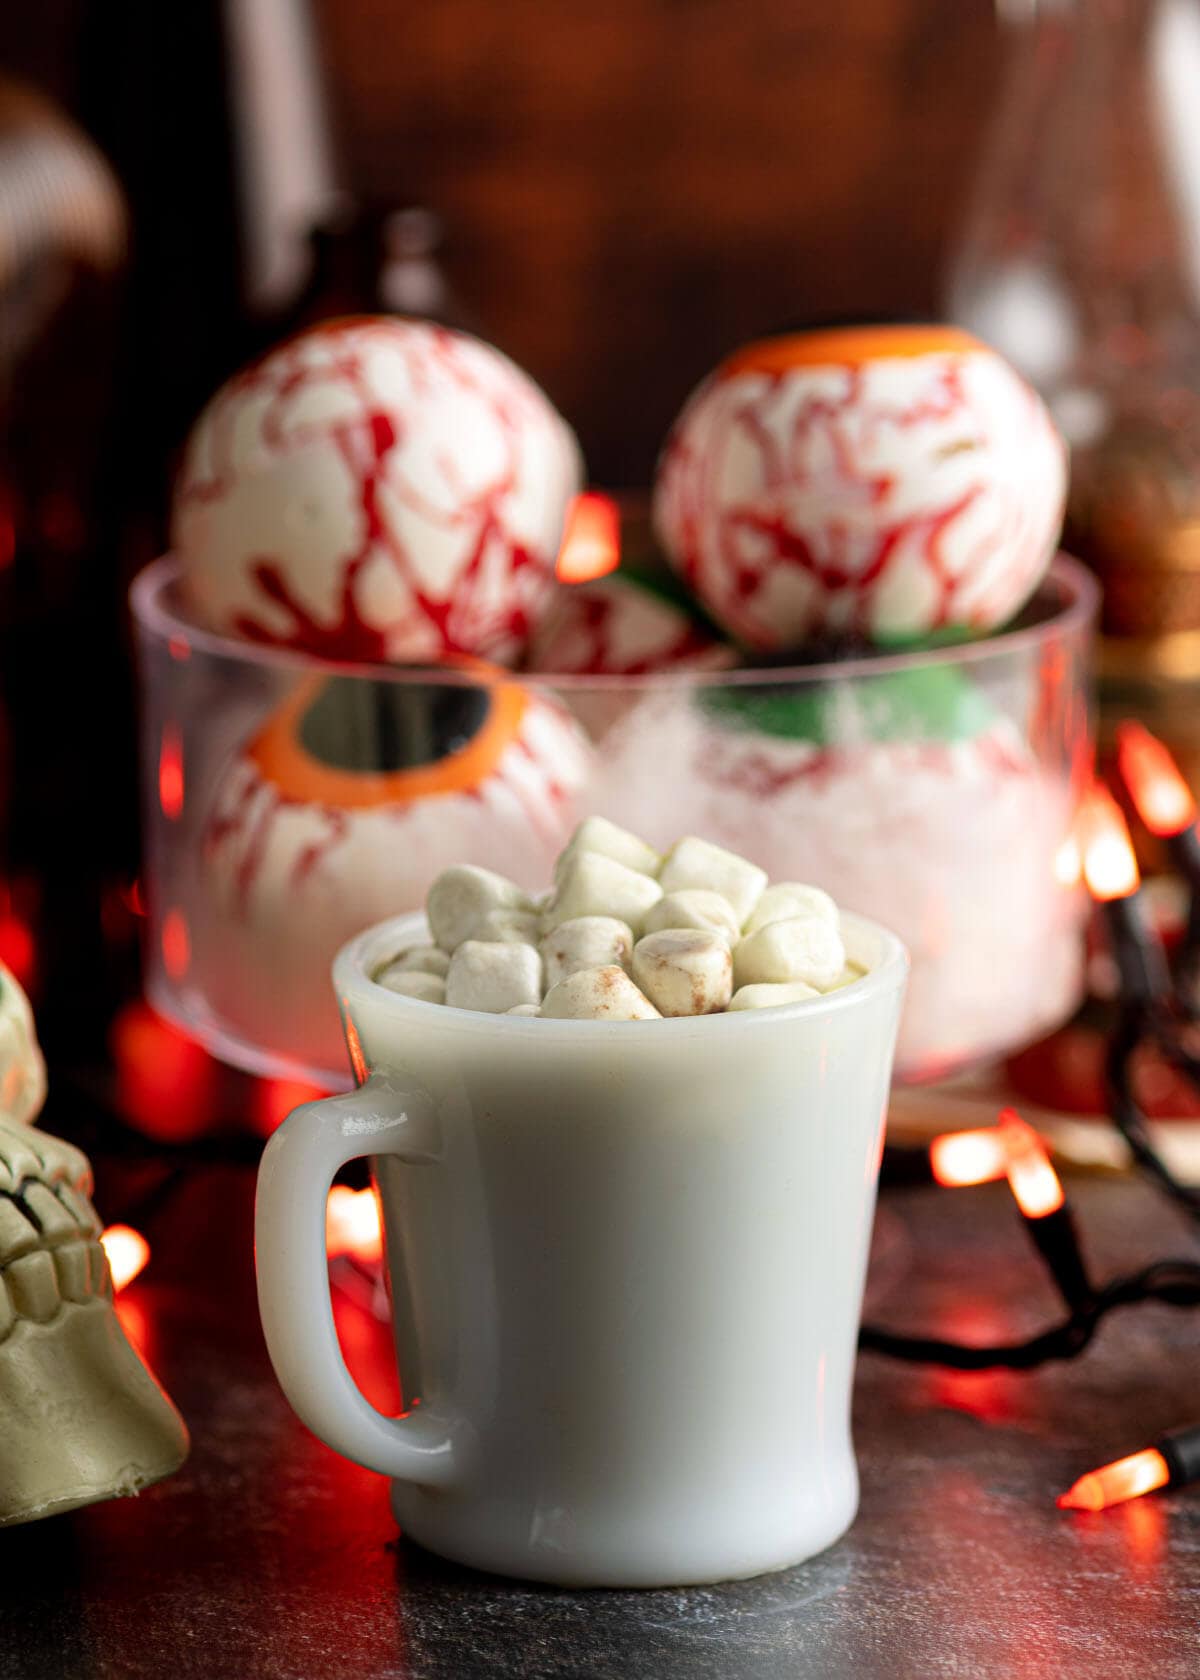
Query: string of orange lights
x=1167, y=809
x=1173, y=1461
x=1014, y=1150
x=1046, y=1215
x=1150, y=1006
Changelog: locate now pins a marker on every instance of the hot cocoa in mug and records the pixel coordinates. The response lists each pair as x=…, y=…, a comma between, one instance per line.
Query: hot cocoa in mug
x=625, y=1237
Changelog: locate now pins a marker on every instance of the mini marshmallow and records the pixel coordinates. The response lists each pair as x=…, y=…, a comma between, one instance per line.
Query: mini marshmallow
x=493, y=977
x=684, y=971
x=695, y=907
x=598, y=994
x=597, y=834
x=595, y=885
x=524, y=1009
x=410, y=982
x=799, y=948
x=792, y=898
x=770, y=996
x=462, y=896
x=426, y=959
x=586, y=942
x=847, y=977
x=508, y=927
x=698, y=863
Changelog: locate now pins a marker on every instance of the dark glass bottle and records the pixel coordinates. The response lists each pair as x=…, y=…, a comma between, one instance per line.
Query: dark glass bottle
x=1080, y=260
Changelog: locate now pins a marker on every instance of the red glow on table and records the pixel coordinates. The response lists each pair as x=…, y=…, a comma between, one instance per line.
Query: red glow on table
x=591, y=544
x=352, y=1223
x=1125, y=1478
x=274, y=1100
x=1163, y=799
x=127, y=1251
x=1031, y=1176
x=1144, y=1522
x=1109, y=865
x=176, y=944
x=962, y=1158
x=167, y=1085
x=170, y=773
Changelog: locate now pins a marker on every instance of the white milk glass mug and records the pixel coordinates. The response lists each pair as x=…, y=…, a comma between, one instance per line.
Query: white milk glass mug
x=626, y=1262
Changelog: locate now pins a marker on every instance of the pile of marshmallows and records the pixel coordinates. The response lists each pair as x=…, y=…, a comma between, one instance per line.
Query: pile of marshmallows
x=625, y=935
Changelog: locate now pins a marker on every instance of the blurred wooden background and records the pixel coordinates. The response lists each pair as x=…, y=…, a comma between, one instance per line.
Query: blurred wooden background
x=628, y=188
x=633, y=186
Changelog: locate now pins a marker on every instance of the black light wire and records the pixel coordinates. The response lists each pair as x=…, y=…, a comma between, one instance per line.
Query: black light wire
x=1170, y=1282
x=1135, y=1023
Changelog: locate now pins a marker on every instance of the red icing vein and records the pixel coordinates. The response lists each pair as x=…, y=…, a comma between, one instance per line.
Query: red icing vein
x=732, y=547
x=493, y=582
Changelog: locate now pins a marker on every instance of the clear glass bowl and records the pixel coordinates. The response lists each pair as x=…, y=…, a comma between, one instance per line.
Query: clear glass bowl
x=290, y=801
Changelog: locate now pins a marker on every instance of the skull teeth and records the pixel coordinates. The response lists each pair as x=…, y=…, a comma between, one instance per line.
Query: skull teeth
x=53, y=1219
x=81, y=1418
x=33, y=1286
x=81, y=1270
x=18, y=1234
x=38, y=1215
x=49, y=1254
x=80, y=1209
x=38, y=1284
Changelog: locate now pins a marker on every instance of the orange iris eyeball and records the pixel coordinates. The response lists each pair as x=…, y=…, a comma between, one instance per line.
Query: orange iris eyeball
x=341, y=811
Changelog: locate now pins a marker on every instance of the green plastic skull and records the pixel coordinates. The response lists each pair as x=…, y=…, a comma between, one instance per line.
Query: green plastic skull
x=81, y=1418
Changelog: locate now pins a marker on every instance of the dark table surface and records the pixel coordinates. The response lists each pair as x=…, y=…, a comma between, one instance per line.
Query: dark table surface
x=267, y=1557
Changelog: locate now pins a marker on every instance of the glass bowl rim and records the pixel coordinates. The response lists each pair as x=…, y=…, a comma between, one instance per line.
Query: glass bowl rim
x=1079, y=598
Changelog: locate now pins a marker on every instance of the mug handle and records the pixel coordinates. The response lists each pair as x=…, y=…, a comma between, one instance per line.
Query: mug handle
x=294, y=1177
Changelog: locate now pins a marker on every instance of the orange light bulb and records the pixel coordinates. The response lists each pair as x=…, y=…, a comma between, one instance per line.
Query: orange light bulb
x=962, y=1158
x=1125, y=1478
x=127, y=1251
x=591, y=543
x=1109, y=865
x=352, y=1223
x=1163, y=799
x=1068, y=865
x=1031, y=1176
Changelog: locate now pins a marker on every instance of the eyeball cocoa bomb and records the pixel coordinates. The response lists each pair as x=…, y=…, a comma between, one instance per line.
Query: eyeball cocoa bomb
x=622, y=625
x=376, y=489
x=890, y=481
x=912, y=799
x=342, y=810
